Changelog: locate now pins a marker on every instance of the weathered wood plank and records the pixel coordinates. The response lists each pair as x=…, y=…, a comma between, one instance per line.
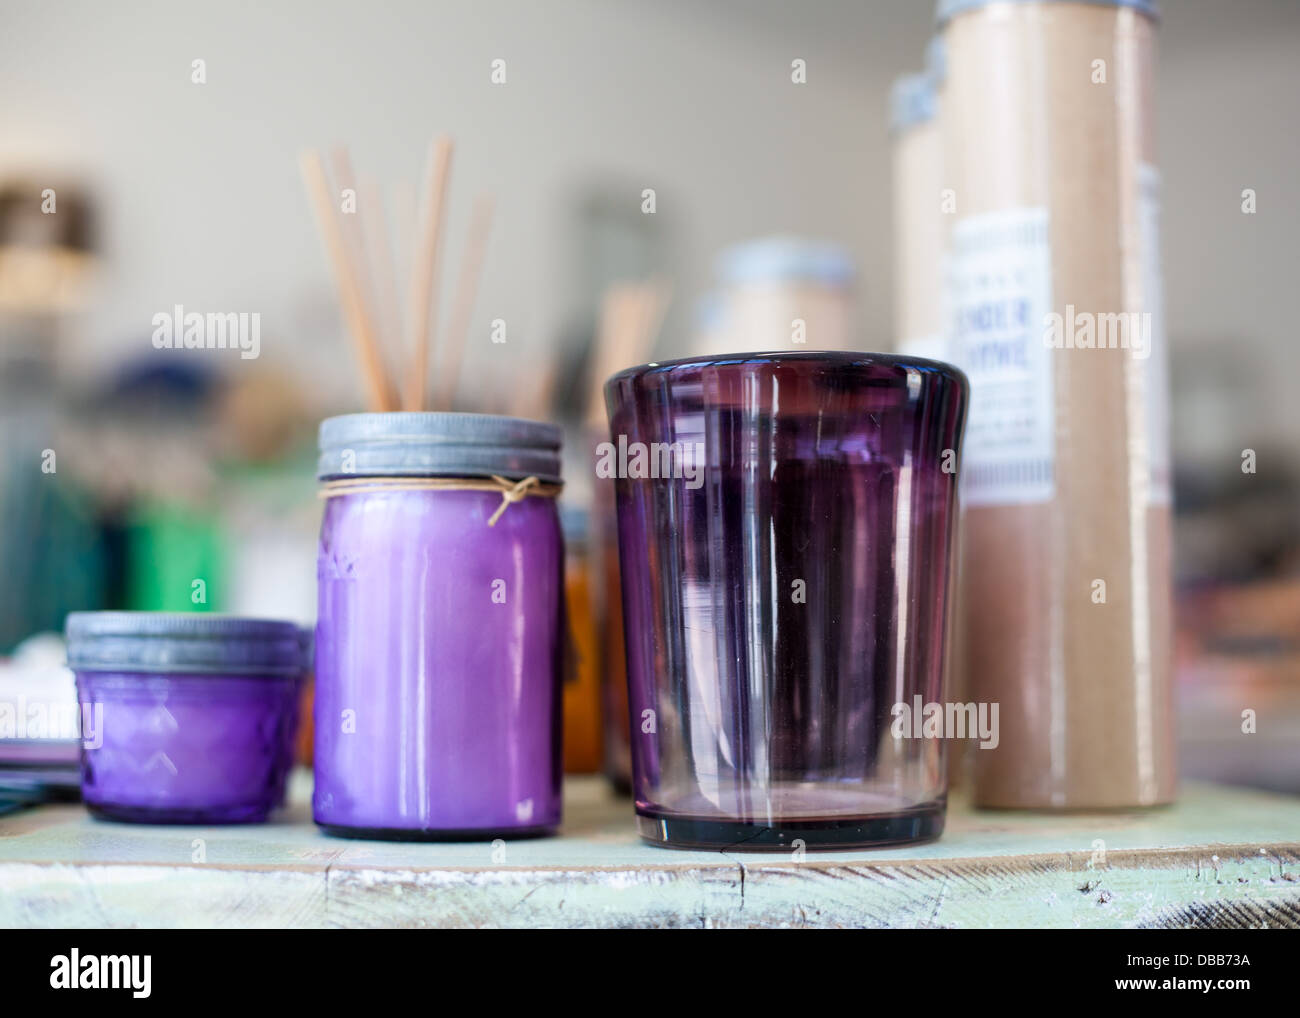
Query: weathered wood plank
x=1221, y=857
x=130, y=895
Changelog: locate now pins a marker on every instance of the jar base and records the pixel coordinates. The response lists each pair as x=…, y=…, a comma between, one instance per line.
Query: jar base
x=877, y=830
x=179, y=816
x=415, y=834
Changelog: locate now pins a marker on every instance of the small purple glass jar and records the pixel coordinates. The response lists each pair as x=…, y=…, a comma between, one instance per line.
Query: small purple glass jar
x=185, y=718
x=439, y=631
x=785, y=529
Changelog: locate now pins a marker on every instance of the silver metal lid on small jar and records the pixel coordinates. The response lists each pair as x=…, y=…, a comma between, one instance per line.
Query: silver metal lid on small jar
x=438, y=445
x=180, y=642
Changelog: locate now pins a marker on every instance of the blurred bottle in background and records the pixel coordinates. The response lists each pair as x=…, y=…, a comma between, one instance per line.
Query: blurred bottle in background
x=782, y=293
x=918, y=219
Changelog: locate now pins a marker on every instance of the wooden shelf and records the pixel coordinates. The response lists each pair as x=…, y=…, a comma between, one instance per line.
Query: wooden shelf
x=1220, y=857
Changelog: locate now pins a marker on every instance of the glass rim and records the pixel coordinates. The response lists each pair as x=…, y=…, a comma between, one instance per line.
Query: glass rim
x=839, y=358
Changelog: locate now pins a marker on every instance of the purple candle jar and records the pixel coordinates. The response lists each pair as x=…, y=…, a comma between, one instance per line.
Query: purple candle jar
x=785, y=529
x=439, y=632
x=185, y=718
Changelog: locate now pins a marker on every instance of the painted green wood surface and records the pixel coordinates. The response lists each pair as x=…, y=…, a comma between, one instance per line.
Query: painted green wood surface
x=1220, y=857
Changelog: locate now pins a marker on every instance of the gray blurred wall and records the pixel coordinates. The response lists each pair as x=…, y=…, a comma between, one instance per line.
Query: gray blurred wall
x=204, y=205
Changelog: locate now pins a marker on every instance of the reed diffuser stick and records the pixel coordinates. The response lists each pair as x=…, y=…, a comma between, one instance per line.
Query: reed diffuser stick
x=534, y=390
x=380, y=254
x=471, y=272
x=422, y=316
x=359, y=226
x=657, y=296
x=611, y=330
x=355, y=232
x=322, y=199
x=630, y=317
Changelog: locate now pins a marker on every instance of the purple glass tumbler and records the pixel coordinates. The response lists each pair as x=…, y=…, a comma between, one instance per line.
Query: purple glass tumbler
x=438, y=634
x=785, y=533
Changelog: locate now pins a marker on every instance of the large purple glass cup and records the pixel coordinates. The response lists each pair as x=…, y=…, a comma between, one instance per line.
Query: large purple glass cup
x=785, y=533
x=439, y=629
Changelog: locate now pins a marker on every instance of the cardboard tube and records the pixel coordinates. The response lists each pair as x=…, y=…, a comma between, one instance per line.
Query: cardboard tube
x=1066, y=576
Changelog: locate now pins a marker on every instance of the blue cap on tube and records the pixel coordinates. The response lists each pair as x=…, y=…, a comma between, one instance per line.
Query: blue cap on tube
x=947, y=9
x=777, y=259
x=936, y=60
x=911, y=101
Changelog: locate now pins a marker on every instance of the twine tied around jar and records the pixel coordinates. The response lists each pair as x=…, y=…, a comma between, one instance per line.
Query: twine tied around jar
x=511, y=495
x=510, y=491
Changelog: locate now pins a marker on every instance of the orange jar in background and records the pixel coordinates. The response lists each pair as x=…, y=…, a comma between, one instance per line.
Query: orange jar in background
x=582, y=696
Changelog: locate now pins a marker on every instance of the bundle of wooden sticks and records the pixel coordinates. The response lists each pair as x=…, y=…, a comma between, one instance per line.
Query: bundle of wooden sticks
x=350, y=214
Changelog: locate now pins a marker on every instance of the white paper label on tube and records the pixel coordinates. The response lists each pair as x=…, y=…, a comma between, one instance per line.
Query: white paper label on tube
x=1000, y=293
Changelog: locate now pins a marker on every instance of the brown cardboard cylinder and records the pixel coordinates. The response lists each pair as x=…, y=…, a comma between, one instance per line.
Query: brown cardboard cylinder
x=1083, y=686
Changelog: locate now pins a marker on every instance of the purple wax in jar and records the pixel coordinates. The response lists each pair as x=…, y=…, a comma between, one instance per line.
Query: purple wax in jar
x=184, y=748
x=438, y=652
x=185, y=718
